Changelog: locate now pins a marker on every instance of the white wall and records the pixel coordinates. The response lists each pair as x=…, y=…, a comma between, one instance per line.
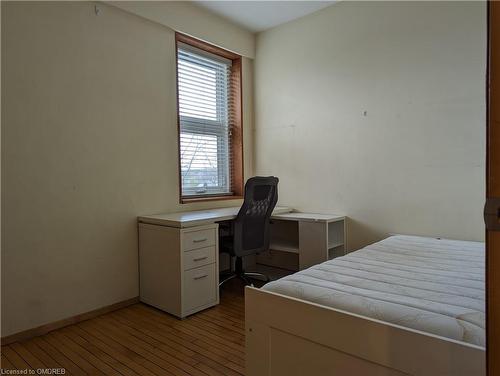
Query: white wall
x=89, y=141
x=415, y=163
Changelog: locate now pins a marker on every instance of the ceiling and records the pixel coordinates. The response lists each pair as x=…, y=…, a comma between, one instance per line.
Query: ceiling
x=261, y=15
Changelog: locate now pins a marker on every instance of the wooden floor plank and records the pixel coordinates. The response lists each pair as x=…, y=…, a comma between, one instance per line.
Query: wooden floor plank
x=196, y=332
x=165, y=326
x=239, y=315
x=141, y=347
x=58, y=356
x=187, y=326
x=84, y=354
x=27, y=356
x=220, y=332
x=116, y=351
x=221, y=355
x=142, y=340
x=126, y=348
x=53, y=339
x=208, y=370
x=121, y=368
x=178, y=336
x=41, y=354
x=6, y=364
x=230, y=320
x=17, y=361
x=173, y=348
x=221, y=322
x=174, y=356
x=195, y=351
x=235, y=335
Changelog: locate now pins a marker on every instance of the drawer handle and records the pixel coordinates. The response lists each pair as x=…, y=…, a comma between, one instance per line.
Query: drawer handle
x=200, y=258
x=199, y=240
x=201, y=276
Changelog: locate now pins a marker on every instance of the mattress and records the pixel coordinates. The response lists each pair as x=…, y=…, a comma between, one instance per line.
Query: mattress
x=432, y=285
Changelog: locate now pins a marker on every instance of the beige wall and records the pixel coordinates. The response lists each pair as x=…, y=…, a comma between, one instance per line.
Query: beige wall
x=89, y=141
x=89, y=134
x=195, y=21
x=415, y=163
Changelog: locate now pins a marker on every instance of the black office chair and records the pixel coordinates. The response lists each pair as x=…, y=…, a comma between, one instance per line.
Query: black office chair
x=250, y=229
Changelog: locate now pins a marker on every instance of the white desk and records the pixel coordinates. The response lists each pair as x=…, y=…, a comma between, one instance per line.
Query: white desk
x=319, y=236
x=199, y=217
x=179, y=252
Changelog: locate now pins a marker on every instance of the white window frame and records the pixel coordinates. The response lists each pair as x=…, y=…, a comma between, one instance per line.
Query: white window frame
x=219, y=128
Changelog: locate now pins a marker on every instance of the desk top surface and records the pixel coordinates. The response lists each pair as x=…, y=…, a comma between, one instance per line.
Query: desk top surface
x=308, y=217
x=203, y=217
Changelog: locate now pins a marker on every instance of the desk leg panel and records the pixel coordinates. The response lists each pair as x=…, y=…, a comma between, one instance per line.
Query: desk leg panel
x=313, y=243
x=160, y=267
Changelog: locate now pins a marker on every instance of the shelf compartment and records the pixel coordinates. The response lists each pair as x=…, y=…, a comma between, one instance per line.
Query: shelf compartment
x=335, y=244
x=285, y=247
x=336, y=252
x=336, y=234
x=284, y=236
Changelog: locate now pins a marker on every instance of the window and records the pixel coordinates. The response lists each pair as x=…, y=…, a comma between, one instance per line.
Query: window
x=209, y=115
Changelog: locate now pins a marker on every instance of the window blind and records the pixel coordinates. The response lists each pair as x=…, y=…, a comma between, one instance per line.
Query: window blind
x=204, y=82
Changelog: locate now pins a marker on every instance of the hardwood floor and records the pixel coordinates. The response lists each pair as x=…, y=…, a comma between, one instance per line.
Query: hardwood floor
x=141, y=340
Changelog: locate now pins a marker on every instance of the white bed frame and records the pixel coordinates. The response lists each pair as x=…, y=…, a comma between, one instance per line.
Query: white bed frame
x=289, y=336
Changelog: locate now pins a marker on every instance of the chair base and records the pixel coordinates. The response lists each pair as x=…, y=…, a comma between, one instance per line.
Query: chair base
x=243, y=275
x=245, y=280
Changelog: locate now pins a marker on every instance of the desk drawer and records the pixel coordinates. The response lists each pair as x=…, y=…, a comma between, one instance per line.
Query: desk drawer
x=198, y=257
x=200, y=287
x=198, y=239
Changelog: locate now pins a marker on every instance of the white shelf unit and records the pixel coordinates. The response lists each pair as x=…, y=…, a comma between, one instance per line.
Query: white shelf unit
x=300, y=240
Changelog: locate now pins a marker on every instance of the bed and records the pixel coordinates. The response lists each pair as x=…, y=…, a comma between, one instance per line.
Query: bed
x=404, y=305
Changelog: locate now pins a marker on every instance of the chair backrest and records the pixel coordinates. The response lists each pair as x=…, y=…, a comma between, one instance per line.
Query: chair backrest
x=251, y=226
